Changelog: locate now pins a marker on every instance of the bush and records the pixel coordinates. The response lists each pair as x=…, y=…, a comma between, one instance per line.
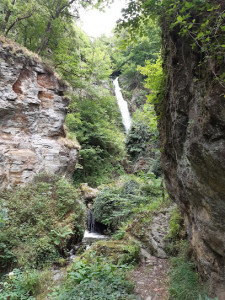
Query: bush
x=184, y=284
x=96, y=121
x=175, y=224
x=20, y=285
x=43, y=219
x=95, y=279
x=24, y=285
x=184, y=279
x=116, y=204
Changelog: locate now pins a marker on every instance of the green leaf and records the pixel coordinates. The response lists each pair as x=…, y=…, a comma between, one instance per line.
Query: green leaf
x=201, y=34
x=179, y=19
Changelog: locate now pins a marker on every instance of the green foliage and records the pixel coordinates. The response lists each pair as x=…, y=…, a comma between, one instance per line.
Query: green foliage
x=24, y=285
x=175, y=224
x=20, y=285
x=202, y=23
x=43, y=218
x=155, y=79
x=93, y=117
x=115, y=205
x=126, y=59
x=142, y=138
x=184, y=279
x=205, y=297
x=41, y=24
x=184, y=284
x=95, y=278
x=126, y=251
x=3, y=214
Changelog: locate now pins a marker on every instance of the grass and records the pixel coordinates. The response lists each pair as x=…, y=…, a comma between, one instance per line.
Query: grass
x=184, y=279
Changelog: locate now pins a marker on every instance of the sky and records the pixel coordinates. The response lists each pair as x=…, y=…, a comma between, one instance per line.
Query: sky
x=96, y=23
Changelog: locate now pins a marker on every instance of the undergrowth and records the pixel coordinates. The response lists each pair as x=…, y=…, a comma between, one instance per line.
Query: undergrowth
x=95, y=279
x=116, y=204
x=24, y=285
x=184, y=279
x=40, y=221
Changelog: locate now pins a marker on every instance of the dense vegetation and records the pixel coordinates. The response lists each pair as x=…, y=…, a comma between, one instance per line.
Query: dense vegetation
x=120, y=202
x=41, y=222
x=94, y=277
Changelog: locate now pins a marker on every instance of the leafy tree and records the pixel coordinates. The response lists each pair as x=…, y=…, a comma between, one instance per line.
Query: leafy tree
x=39, y=24
x=127, y=57
x=94, y=118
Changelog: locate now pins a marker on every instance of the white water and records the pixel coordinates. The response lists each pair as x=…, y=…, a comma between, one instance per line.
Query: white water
x=126, y=118
x=93, y=235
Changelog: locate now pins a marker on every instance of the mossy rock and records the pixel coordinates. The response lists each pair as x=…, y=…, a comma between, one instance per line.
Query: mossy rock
x=119, y=252
x=139, y=227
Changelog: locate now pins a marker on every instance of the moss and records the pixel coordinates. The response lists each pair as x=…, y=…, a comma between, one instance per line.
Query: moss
x=119, y=252
x=138, y=228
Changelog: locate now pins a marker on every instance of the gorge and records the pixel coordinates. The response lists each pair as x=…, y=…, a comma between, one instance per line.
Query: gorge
x=69, y=152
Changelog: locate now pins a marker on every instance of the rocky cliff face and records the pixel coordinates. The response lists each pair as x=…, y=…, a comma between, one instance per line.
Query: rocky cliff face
x=32, y=113
x=192, y=129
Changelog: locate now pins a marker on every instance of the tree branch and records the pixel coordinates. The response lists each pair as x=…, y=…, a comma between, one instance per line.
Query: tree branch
x=18, y=20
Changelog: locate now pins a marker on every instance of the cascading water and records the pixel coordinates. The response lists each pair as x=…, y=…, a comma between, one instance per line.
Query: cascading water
x=90, y=221
x=90, y=234
x=126, y=118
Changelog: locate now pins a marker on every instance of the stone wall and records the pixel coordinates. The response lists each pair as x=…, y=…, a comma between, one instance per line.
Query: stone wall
x=32, y=114
x=192, y=129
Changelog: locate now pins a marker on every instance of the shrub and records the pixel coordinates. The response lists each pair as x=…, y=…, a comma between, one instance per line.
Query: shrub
x=175, y=224
x=95, y=119
x=184, y=284
x=43, y=219
x=95, y=279
x=20, y=285
x=184, y=280
x=116, y=204
x=24, y=285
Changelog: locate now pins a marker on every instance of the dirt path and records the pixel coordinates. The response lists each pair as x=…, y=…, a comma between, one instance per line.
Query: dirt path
x=150, y=279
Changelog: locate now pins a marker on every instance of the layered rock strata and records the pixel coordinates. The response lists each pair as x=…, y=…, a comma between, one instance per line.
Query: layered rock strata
x=32, y=113
x=192, y=128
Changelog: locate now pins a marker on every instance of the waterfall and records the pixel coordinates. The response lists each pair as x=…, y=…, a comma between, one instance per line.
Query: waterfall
x=126, y=119
x=90, y=221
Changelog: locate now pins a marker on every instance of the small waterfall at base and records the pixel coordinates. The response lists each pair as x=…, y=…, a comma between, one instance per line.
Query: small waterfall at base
x=90, y=221
x=91, y=234
x=126, y=118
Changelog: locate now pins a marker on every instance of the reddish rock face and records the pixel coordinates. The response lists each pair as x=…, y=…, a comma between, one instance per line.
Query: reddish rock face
x=32, y=114
x=192, y=129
